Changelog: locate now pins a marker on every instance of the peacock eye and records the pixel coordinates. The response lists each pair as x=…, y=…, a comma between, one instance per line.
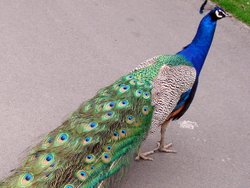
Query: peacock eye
x=219, y=14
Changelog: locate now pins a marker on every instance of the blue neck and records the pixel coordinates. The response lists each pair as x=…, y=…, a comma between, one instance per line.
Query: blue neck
x=196, y=52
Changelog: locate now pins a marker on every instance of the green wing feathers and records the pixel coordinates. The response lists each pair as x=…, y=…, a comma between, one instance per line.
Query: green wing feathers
x=94, y=143
x=99, y=139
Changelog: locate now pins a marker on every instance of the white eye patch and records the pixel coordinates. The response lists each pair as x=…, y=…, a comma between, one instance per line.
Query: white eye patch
x=219, y=13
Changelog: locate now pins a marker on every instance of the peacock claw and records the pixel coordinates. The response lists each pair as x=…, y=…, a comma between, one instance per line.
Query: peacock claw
x=164, y=148
x=144, y=155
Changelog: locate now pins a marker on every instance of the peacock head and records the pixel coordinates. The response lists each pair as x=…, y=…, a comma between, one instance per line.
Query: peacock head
x=216, y=13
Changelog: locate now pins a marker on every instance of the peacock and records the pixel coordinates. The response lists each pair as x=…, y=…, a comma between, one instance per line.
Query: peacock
x=94, y=146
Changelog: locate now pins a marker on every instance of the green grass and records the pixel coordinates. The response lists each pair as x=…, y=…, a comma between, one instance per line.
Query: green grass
x=238, y=8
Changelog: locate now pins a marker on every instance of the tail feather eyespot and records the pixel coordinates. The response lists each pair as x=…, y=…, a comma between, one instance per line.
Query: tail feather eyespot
x=69, y=186
x=138, y=93
x=26, y=180
x=124, y=89
x=122, y=104
x=123, y=133
x=146, y=95
x=132, y=82
x=129, y=77
x=145, y=110
x=106, y=157
x=46, y=160
x=115, y=136
x=108, y=115
x=107, y=148
x=117, y=86
x=82, y=175
x=108, y=106
x=90, y=168
x=61, y=138
x=130, y=119
x=90, y=158
x=87, y=127
x=87, y=140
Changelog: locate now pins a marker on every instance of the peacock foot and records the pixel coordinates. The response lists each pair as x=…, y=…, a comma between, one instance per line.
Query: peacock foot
x=164, y=148
x=144, y=155
x=160, y=148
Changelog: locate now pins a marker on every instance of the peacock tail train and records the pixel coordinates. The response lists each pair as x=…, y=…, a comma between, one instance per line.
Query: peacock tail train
x=93, y=147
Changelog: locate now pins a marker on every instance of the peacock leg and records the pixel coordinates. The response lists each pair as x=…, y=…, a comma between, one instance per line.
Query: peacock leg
x=161, y=144
x=161, y=147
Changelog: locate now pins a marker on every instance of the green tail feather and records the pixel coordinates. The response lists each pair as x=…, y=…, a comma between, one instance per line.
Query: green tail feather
x=98, y=140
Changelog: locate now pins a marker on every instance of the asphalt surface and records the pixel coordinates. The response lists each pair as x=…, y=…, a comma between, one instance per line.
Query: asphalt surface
x=56, y=54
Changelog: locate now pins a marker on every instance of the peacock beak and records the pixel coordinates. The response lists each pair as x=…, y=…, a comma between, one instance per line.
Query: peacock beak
x=228, y=15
